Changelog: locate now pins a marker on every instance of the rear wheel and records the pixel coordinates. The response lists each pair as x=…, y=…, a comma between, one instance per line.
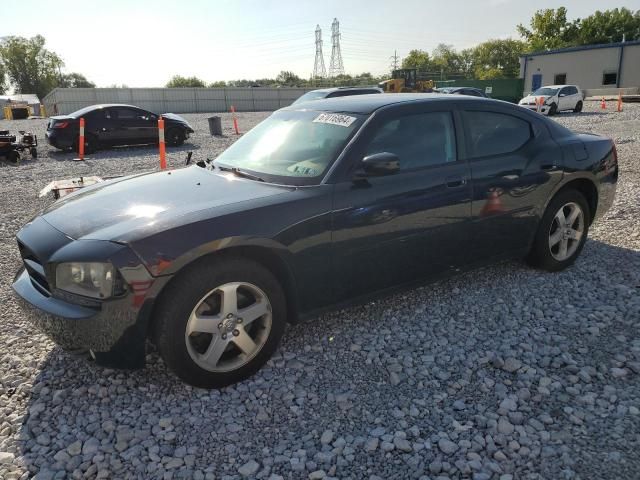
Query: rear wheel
x=91, y=144
x=562, y=232
x=13, y=156
x=220, y=322
x=578, y=107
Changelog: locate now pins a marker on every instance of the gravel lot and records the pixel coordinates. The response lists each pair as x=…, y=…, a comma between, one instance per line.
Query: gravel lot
x=501, y=373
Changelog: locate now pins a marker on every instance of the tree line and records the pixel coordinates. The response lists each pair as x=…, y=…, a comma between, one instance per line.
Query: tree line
x=29, y=67
x=548, y=29
x=285, y=79
x=26, y=64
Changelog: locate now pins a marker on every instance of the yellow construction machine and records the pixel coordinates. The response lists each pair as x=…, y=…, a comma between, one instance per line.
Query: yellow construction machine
x=406, y=80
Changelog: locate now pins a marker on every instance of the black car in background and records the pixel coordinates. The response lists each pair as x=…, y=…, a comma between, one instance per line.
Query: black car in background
x=115, y=124
x=321, y=205
x=471, y=91
x=336, y=92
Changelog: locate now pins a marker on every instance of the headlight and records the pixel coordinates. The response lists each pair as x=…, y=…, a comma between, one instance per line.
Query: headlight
x=548, y=101
x=93, y=279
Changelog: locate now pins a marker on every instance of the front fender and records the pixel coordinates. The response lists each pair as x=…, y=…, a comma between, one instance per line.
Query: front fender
x=161, y=264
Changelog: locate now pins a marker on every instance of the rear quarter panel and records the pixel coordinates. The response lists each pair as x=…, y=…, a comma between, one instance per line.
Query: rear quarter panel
x=591, y=157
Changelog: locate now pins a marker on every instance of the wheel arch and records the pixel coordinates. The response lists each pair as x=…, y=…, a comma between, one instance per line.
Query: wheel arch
x=264, y=256
x=585, y=185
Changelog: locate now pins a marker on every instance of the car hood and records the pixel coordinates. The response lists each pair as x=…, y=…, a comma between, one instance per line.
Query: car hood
x=175, y=117
x=130, y=208
x=532, y=98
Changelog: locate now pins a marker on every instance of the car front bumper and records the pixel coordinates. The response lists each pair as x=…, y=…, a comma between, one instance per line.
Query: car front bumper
x=113, y=332
x=114, y=329
x=544, y=109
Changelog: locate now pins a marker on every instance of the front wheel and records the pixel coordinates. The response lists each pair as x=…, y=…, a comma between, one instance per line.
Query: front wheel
x=562, y=232
x=220, y=321
x=175, y=137
x=578, y=107
x=553, y=109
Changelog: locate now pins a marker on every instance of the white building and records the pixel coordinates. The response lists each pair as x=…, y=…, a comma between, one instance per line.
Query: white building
x=599, y=69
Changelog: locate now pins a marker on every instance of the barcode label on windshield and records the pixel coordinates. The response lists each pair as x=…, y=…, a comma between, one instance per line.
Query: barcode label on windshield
x=335, y=119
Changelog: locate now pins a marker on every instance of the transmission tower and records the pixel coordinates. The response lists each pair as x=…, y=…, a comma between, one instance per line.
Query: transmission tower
x=318, y=68
x=335, y=66
x=394, y=60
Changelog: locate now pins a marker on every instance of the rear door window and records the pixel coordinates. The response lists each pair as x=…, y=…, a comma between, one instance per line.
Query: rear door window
x=126, y=114
x=493, y=133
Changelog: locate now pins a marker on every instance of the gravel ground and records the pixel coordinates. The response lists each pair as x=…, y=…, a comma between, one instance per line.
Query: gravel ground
x=501, y=373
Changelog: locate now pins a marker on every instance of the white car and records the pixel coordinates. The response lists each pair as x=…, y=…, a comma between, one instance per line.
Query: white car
x=557, y=98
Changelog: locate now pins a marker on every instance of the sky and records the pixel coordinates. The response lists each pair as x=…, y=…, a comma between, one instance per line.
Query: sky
x=143, y=43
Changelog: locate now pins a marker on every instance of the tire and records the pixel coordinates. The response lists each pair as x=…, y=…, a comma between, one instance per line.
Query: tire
x=13, y=156
x=91, y=144
x=578, y=107
x=34, y=152
x=175, y=137
x=195, y=300
x=553, y=109
x=547, y=250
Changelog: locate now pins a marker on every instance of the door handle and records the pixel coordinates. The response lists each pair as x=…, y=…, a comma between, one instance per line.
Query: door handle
x=455, y=182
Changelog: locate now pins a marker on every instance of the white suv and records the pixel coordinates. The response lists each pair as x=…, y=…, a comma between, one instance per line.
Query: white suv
x=556, y=99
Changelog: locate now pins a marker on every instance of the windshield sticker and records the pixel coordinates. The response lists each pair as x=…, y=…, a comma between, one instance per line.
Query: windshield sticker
x=335, y=119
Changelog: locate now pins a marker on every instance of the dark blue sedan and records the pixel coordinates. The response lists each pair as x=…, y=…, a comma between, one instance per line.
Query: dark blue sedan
x=321, y=205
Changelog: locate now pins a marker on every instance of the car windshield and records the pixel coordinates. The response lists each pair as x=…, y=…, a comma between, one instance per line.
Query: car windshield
x=315, y=95
x=292, y=147
x=546, y=91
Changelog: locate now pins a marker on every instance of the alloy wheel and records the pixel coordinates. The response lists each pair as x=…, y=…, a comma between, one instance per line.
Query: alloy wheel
x=567, y=229
x=228, y=327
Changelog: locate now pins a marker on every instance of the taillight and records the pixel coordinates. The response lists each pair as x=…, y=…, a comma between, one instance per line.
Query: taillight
x=61, y=125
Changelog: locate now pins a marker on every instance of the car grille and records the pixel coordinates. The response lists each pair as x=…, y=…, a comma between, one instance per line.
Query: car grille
x=35, y=270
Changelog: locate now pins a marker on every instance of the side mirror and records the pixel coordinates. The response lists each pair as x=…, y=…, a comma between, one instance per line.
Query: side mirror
x=379, y=164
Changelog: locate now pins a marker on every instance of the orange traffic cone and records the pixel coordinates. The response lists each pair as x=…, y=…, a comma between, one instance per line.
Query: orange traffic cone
x=603, y=104
x=493, y=205
x=619, y=101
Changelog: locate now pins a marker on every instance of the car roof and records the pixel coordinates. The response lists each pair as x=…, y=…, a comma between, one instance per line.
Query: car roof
x=107, y=105
x=366, y=104
x=559, y=86
x=342, y=89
